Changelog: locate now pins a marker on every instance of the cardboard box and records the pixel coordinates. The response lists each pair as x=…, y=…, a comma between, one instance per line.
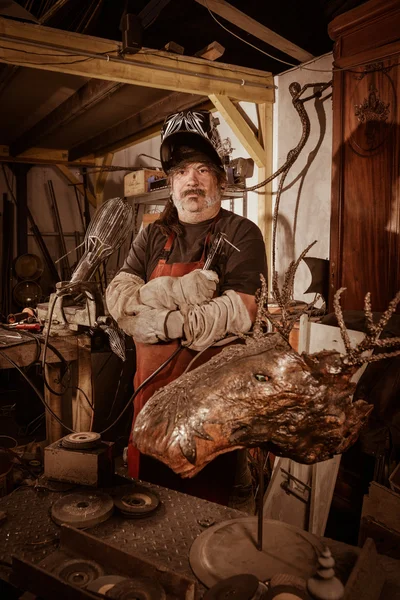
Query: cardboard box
x=137, y=182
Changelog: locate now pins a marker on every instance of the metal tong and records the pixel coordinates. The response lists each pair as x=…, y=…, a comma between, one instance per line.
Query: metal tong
x=216, y=248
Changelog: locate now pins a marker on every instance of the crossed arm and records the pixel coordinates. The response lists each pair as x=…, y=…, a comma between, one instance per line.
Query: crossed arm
x=169, y=308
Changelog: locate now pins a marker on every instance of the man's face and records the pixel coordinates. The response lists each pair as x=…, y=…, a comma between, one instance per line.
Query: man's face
x=195, y=188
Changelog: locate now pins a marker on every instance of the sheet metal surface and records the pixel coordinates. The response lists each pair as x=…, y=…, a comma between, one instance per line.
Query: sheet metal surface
x=164, y=537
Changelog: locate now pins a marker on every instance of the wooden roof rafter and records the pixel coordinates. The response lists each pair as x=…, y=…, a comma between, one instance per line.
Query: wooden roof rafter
x=148, y=68
x=249, y=25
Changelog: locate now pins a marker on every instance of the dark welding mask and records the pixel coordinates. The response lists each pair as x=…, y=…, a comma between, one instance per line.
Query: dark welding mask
x=189, y=135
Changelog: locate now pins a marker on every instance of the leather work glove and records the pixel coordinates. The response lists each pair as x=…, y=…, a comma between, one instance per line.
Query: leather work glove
x=151, y=325
x=210, y=322
x=128, y=294
x=122, y=295
x=200, y=325
x=176, y=292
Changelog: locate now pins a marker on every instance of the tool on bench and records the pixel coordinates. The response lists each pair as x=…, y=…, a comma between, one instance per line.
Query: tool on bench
x=78, y=303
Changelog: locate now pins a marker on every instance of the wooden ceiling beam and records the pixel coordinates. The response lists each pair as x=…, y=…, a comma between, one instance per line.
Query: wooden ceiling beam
x=150, y=12
x=47, y=156
x=52, y=12
x=240, y=128
x=148, y=68
x=137, y=128
x=93, y=92
x=9, y=71
x=240, y=19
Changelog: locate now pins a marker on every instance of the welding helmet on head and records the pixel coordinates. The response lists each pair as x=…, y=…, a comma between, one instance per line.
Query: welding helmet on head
x=189, y=135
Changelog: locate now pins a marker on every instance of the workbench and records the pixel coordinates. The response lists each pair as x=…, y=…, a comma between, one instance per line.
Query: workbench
x=165, y=537
x=75, y=349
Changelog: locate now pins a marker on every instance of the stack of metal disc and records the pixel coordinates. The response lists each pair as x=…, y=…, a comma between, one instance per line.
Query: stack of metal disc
x=136, y=501
x=78, y=571
x=123, y=588
x=83, y=440
x=82, y=509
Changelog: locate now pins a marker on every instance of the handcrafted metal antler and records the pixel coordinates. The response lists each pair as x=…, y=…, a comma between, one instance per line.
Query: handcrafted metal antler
x=371, y=340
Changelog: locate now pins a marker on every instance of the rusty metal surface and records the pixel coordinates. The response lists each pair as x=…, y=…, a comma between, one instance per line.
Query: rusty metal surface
x=165, y=537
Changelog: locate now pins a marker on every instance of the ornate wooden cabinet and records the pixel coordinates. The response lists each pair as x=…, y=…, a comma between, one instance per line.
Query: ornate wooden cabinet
x=365, y=224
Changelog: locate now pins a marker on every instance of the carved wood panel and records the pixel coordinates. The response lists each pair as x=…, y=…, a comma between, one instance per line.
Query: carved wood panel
x=365, y=226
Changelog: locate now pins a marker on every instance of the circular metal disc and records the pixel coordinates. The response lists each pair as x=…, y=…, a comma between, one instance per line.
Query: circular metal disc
x=140, y=588
x=78, y=572
x=81, y=440
x=229, y=548
x=136, y=501
x=104, y=584
x=82, y=509
x=239, y=587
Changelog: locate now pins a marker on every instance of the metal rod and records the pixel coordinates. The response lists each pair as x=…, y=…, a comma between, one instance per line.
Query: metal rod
x=64, y=251
x=79, y=207
x=55, y=234
x=41, y=243
x=85, y=196
x=260, y=521
x=78, y=246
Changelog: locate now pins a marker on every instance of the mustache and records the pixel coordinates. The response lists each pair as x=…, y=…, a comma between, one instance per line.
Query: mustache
x=197, y=191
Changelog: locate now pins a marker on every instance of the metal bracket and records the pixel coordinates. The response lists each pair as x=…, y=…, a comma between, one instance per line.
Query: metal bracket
x=296, y=487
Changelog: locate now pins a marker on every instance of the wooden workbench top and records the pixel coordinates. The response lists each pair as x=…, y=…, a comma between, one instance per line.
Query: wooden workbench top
x=25, y=354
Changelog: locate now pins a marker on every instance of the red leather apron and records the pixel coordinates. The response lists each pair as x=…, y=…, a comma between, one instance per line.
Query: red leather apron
x=216, y=479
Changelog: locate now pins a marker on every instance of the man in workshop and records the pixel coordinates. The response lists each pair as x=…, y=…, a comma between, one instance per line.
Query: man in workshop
x=165, y=300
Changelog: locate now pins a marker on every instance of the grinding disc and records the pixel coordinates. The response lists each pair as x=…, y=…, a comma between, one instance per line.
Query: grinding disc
x=78, y=572
x=140, y=588
x=104, y=584
x=136, y=501
x=240, y=587
x=82, y=440
x=82, y=509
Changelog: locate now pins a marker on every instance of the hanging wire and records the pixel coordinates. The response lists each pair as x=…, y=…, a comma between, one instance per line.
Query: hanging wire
x=299, y=65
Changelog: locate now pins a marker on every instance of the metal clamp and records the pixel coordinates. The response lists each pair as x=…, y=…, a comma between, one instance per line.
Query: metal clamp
x=296, y=487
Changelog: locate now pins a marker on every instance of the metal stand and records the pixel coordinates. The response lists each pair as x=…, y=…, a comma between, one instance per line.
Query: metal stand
x=231, y=548
x=260, y=500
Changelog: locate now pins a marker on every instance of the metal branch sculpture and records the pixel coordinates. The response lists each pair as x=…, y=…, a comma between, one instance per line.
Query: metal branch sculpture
x=354, y=356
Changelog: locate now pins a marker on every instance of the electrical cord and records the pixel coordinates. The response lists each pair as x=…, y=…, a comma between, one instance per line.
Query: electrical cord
x=128, y=404
x=116, y=393
x=285, y=62
x=43, y=401
x=141, y=386
x=31, y=336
